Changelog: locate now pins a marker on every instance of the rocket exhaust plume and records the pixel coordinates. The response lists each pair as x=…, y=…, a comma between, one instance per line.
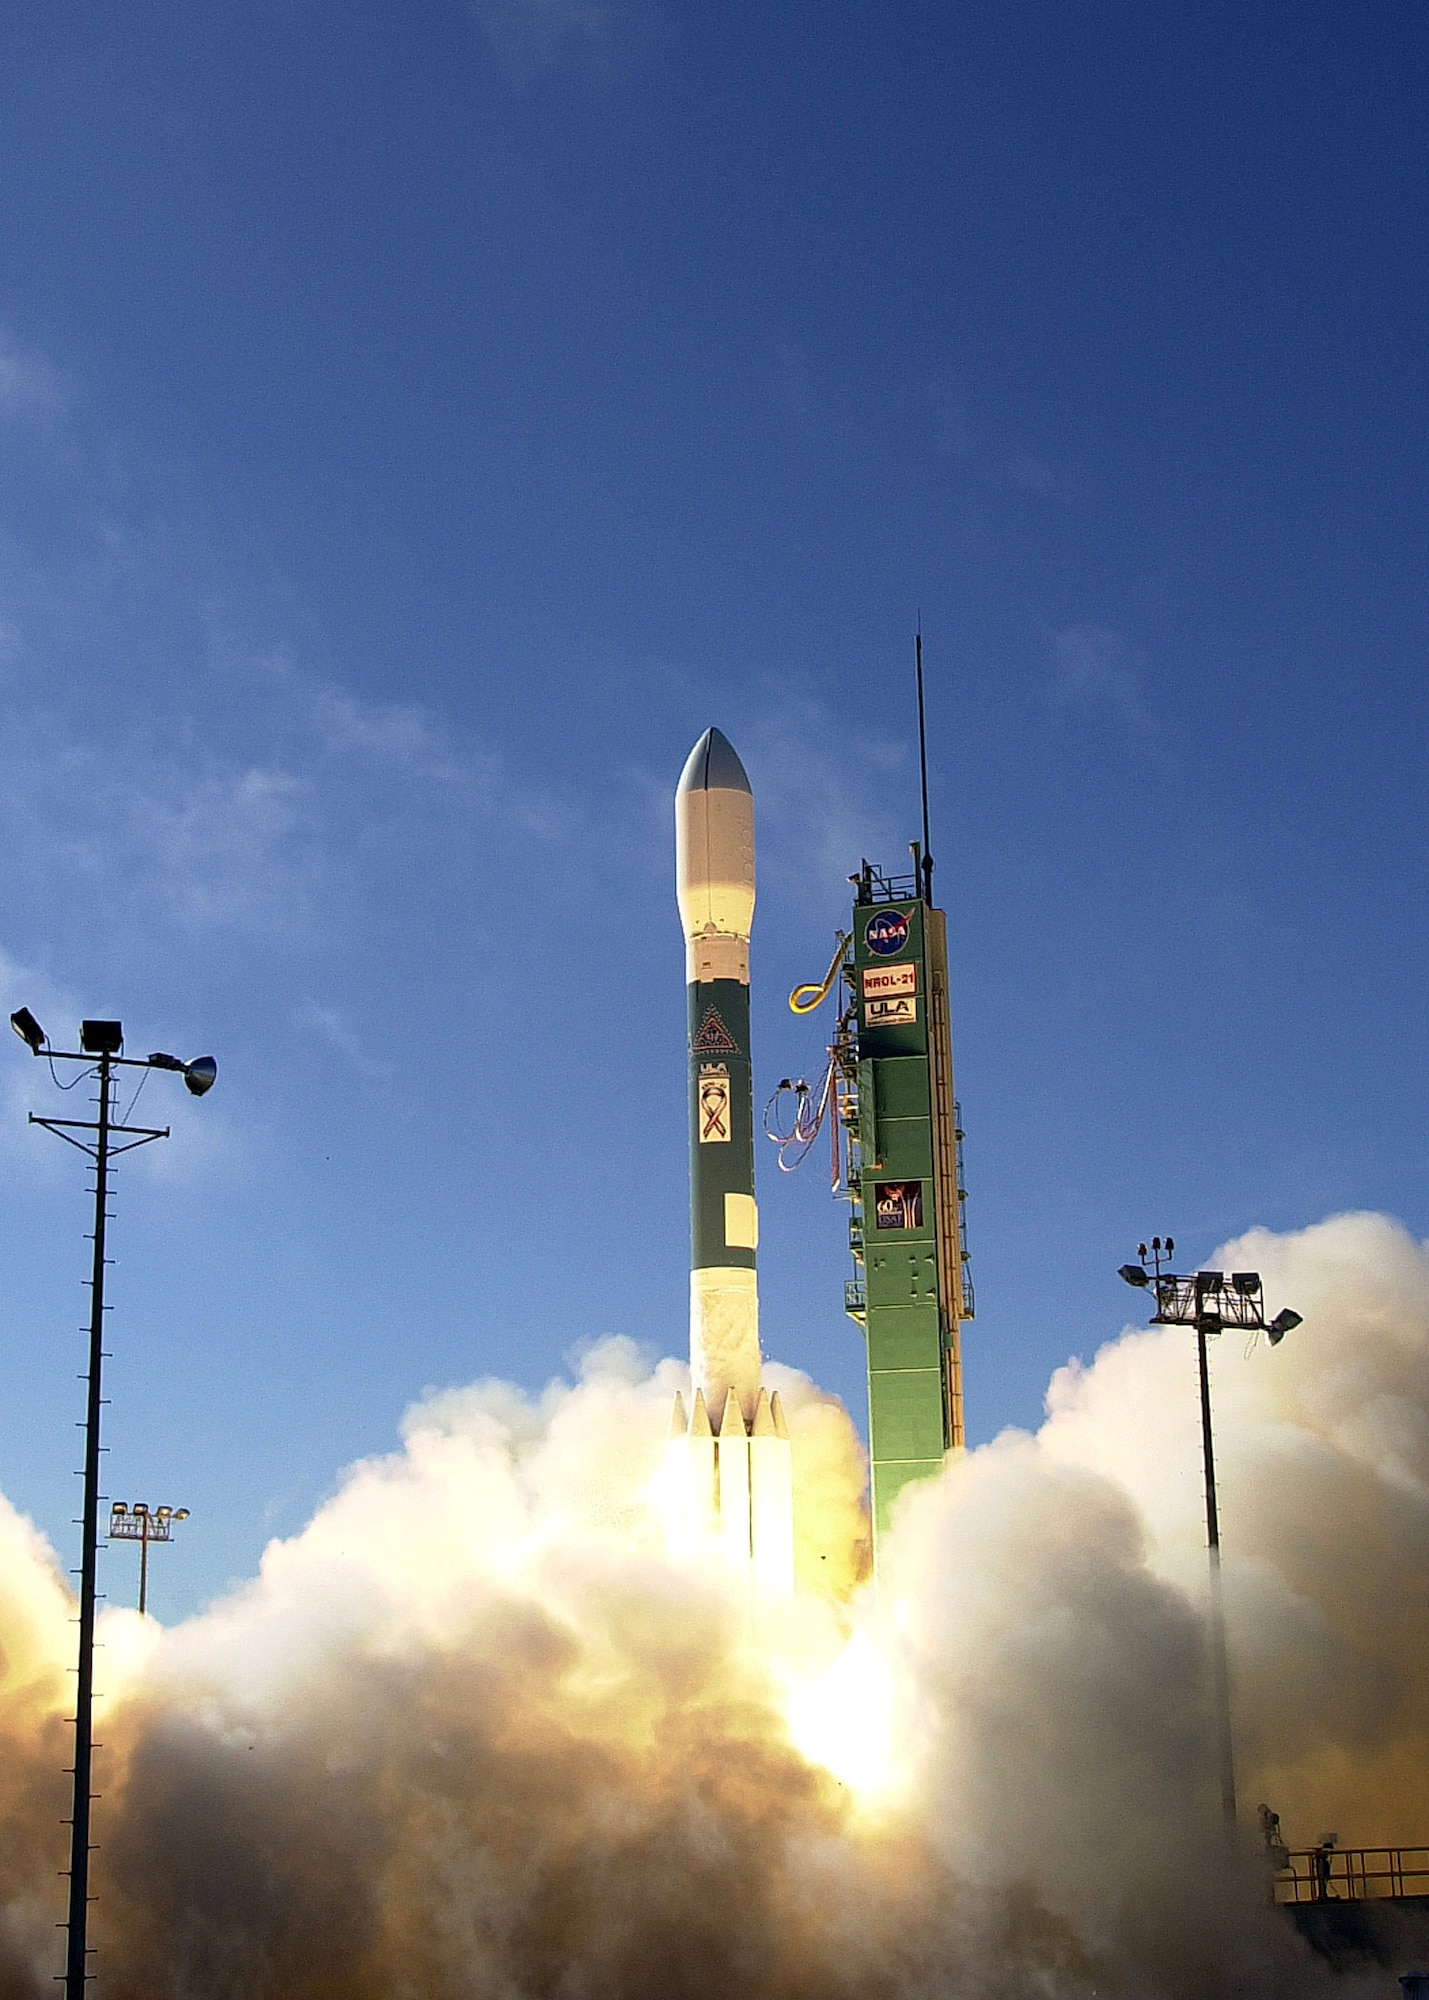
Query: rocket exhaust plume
x=476, y=1732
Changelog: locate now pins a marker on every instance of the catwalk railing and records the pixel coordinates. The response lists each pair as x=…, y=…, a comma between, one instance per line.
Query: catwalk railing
x=1352, y=1874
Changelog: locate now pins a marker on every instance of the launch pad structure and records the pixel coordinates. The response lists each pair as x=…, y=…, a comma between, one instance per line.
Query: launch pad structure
x=903, y=1178
x=897, y=1144
x=896, y=1131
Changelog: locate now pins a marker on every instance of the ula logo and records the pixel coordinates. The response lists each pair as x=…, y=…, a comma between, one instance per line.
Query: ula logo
x=886, y=933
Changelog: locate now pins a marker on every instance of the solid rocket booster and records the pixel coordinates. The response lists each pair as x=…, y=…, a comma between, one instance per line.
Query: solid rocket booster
x=733, y=1447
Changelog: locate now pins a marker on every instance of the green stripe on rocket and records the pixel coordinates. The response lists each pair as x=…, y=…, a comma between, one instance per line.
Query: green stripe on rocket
x=721, y=1119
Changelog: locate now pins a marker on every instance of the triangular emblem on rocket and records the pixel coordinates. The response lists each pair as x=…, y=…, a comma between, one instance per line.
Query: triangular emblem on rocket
x=714, y=1037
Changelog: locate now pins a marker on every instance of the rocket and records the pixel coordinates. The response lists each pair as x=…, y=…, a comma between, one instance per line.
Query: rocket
x=714, y=884
x=730, y=1453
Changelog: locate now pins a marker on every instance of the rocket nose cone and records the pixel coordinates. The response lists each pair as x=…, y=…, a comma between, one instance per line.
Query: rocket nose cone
x=713, y=766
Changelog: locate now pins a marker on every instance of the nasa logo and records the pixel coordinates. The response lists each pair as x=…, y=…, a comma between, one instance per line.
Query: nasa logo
x=886, y=933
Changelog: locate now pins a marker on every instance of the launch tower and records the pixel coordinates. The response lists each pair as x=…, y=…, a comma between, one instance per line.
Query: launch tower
x=903, y=1178
x=896, y=1126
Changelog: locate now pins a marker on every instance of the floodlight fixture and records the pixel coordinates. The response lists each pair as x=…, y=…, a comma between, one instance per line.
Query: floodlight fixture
x=144, y=1524
x=1247, y=1283
x=28, y=1029
x=101, y=1038
x=1285, y=1321
x=1135, y=1274
x=200, y=1075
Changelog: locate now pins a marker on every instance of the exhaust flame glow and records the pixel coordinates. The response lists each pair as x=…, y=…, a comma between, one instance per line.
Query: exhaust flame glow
x=844, y=1721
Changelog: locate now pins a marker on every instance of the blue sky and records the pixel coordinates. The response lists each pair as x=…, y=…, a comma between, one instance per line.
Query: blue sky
x=418, y=425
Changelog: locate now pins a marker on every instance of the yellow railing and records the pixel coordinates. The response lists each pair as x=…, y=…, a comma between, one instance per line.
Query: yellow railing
x=1352, y=1874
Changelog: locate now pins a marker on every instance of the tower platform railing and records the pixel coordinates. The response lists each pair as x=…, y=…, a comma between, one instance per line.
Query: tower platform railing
x=1352, y=1874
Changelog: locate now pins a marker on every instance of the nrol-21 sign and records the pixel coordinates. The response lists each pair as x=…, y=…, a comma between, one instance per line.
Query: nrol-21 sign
x=882, y=982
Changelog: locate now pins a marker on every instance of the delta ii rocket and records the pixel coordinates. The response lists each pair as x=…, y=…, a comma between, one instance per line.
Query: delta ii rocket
x=729, y=1454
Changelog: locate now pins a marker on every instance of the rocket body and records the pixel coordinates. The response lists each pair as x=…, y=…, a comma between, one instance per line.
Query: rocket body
x=731, y=1451
x=714, y=876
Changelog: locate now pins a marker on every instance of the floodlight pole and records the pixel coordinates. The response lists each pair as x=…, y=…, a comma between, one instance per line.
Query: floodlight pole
x=1208, y=1303
x=144, y=1524
x=1220, y=1660
x=101, y=1046
x=76, y=1955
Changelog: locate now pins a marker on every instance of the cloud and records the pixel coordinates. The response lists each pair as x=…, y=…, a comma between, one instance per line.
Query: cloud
x=398, y=737
x=225, y=847
x=979, y=441
x=532, y=35
x=475, y=1729
x=206, y=837
x=815, y=810
x=210, y=784
x=1054, y=479
x=332, y=1026
x=30, y=386
x=1096, y=669
x=1322, y=1460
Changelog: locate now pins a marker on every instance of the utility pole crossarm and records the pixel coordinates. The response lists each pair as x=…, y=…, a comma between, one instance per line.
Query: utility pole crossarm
x=139, y=1135
x=91, y=1125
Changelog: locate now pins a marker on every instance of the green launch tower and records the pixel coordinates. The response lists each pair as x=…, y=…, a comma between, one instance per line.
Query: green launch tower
x=897, y=1161
x=887, y=1092
x=893, y=1079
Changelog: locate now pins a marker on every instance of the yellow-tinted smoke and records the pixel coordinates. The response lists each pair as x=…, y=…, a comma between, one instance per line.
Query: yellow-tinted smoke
x=473, y=1732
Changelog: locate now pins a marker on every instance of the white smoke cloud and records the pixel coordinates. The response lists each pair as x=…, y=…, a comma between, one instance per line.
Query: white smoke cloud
x=474, y=1732
x=1322, y=1453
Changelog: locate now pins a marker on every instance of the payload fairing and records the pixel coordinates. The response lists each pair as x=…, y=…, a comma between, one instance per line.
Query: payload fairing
x=730, y=1452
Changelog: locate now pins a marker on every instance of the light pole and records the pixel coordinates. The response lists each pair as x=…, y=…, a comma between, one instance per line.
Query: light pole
x=143, y=1524
x=1210, y=1301
x=101, y=1045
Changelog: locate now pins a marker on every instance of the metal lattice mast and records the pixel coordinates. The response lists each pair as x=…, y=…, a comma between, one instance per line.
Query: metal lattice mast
x=79, y=1849
x=101, y=1047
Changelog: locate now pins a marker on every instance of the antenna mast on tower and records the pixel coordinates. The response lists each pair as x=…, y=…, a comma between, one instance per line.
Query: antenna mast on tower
x=926, y=864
